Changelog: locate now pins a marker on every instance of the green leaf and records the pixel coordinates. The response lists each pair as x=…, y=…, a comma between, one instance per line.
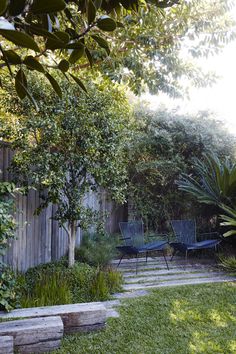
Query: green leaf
x=76, y=55
x=3, y=6
x=53, y=44
x=16, y=7
x=63, y=36
x=79, y=82
x=91, y=12
x=64, y=65
x=12, y=57
x=229, y=233
x=20, y=39
x=21, y=84
x=41, y=32
x=54, y=84
x=33, y=63
x=102, y=43
x=47, y=6
x=119, y=24
x=89, y=56
x=106, y=23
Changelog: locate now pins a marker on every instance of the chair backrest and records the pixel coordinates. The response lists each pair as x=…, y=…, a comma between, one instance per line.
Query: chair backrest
x=132, y=233
x=184, y=230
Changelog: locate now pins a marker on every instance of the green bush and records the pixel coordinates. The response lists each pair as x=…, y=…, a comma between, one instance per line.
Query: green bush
x=228, y=263
x=54, y=283
x=50, y=289
x=8, y=289
x=96, y=250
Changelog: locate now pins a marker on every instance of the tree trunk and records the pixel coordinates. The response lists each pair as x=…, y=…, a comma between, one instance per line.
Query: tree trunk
x=72, y=238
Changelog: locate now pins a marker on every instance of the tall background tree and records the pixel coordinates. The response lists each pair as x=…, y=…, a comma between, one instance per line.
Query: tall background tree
x=72, y=146
x=165, y=145
x=159, y=48
x=43, y=35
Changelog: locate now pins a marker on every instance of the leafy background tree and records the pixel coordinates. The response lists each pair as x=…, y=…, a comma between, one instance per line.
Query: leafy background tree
x=165, y=145
x=55, y=34
x=158, y=48
x=72, y=146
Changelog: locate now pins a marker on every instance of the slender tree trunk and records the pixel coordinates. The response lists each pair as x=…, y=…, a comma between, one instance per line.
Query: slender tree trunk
x=72, y=238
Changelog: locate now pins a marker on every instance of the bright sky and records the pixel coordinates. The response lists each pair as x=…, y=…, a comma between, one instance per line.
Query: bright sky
x=220, y=98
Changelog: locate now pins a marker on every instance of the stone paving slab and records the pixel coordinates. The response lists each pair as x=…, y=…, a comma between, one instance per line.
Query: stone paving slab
x=178, y=276
x=144, y=267
x=166, y=272
x=177, y=282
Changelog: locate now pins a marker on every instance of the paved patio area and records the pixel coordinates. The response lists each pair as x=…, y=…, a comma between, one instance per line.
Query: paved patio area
x=154, y=274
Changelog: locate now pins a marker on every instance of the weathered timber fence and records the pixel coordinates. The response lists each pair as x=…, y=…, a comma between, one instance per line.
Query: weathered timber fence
x=39, y=239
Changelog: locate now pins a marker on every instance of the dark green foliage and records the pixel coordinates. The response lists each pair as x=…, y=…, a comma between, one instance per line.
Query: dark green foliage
x=50, y=29
x=214, y=184
x=9, y=295
x=96, y=250
x=8, y=289
x=228, y=264
x=72, y=147
x=50, y=289
x=166, y=145
x=214, y=181
x=54, y=283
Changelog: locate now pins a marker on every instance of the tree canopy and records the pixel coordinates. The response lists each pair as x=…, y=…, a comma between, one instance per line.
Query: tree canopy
x=157, y=49
x=72, y=146
x=55, y=34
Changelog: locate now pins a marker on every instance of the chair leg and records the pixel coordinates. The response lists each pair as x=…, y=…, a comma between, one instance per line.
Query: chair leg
x=165, y=259
x=146, y=256
x=174, y=252
x=120, y=260
x=186, y=258
x=136, y=263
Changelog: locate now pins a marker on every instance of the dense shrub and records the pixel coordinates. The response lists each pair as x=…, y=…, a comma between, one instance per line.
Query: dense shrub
x=97, y=250
x=54, y=283
x=8, y=289
x=165, y=145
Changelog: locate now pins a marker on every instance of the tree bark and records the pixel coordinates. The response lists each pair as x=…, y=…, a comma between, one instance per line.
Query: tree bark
x=72, y=238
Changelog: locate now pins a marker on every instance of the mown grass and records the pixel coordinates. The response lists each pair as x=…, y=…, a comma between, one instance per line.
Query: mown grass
x=184, y=319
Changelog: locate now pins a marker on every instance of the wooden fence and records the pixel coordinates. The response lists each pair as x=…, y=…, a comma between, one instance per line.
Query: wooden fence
x=39, y=238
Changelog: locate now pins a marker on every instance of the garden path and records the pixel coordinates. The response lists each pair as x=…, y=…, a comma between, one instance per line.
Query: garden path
x=153, y=274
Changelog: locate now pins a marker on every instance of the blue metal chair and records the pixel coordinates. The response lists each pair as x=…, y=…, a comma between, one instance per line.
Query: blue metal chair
x=187, y=239
x=133, y=236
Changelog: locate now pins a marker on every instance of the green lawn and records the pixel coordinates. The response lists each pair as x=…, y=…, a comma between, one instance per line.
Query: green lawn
x=188, y=319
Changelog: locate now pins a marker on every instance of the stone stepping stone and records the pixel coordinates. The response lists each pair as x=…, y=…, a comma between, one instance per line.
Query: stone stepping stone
x=6, y=345
x=131, y=294
x=142, y=268
x=127, y=275
x=129, y=287
x=179, y=276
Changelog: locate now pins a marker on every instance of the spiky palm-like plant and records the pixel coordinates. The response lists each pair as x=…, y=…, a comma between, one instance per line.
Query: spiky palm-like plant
x=214, y=184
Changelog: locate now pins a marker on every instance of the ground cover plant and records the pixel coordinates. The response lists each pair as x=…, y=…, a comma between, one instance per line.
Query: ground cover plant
x=183, y=320
x=56, y=284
